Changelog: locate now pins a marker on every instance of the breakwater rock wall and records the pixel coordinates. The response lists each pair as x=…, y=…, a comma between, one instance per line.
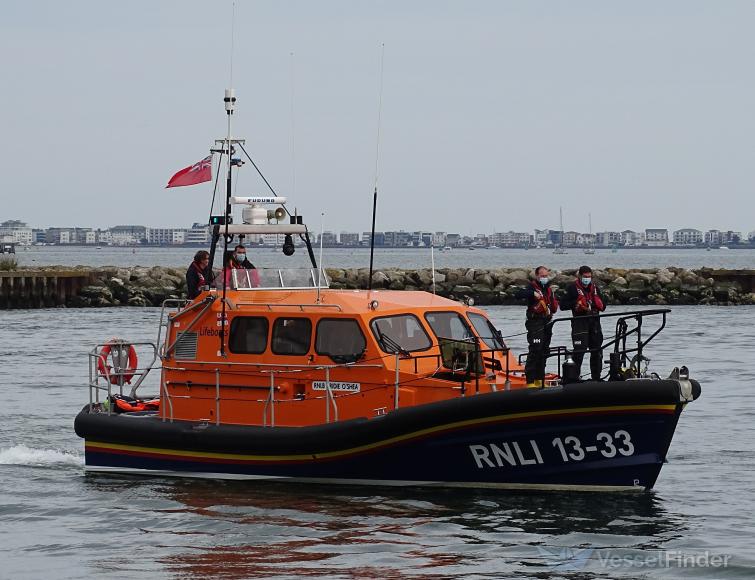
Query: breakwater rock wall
x=149, y=286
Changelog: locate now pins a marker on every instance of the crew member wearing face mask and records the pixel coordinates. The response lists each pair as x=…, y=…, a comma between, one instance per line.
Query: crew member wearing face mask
x=585, y=300
x=541, y=306
x=237, y=260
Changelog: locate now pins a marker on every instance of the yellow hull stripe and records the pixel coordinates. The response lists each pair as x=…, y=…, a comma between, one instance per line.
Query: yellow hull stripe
x=385, y=442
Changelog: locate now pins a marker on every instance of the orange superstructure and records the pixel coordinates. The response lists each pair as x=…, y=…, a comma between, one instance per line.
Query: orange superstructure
x=301, y=357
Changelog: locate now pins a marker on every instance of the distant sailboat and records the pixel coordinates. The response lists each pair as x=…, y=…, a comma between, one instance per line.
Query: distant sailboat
x=590, y=249
x=559, y=249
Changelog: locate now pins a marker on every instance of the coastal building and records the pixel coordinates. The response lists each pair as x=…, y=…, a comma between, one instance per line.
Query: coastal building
x=327, y=238
x=570, y=238
x=64, y=236
x=165, y=236
x=656, y=237
x=585, y=240
x=542, y=237
x=350, y=239
x=17, y=232
x=439, y=239
x=688, y=237
x=453, y=240
x=510, y=239
x=379, y=238
x=198, y=234
x=128, y=235
x=480, y=241
x=722, y=238
x=422, y=239
x=632, y=238
x=399, y=239
x=608, y=238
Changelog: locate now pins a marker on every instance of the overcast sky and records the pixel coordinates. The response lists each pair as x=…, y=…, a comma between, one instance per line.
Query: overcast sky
x=494, y=113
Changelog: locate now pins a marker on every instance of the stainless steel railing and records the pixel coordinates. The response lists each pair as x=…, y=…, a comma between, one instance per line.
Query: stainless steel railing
x=103, y=377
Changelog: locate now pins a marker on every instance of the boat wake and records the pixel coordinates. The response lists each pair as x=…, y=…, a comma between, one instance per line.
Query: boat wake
x=23, y=455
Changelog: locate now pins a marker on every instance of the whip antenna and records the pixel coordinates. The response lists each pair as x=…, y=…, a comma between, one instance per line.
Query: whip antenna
x=377, y=165
x=293, y=131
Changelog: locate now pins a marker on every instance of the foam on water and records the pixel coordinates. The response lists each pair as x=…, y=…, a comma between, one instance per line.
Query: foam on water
x=23, y=455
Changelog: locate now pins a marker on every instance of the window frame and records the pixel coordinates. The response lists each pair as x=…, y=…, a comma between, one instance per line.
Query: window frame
x=419, y=322
x=231, y=333
x=339, y=319
x=272, y=336
x=464, y=321
x=492, y=328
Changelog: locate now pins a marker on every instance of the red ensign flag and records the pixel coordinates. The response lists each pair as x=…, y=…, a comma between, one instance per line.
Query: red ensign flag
x=197, y=173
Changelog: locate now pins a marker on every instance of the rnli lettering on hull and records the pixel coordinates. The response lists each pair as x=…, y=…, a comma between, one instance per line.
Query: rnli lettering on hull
x=506, y=454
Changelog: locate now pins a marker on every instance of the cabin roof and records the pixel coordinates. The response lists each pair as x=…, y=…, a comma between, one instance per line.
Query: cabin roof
x=349, y=301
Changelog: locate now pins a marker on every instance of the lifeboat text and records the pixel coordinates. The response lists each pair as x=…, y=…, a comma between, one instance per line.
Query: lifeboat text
x=512, y=454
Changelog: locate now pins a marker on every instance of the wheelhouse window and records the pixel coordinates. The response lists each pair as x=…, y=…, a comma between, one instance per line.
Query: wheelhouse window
x=488, y=333
x=341, y=339
x=248, y=335
x=291, y=336
x=400, y=333
x=449, y=325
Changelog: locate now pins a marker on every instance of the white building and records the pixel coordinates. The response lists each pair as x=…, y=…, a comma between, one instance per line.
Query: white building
x=510, y=239
x=608, y=238
x=198, y=234
x=165, y=236
x=656, y=237
x=128, y=235
x=632, y=238
x=688, y=237
x=17, y=232
x=439, y=239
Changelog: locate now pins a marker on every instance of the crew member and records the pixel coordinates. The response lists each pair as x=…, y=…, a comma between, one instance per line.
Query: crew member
x=586, y=301
x=198, y=275
x=237, y=260
x=541, y=306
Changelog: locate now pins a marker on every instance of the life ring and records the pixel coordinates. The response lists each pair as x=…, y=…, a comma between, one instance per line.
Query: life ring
x=105, y=369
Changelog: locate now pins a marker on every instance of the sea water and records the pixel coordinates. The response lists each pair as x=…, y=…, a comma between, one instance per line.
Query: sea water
x=57, y=522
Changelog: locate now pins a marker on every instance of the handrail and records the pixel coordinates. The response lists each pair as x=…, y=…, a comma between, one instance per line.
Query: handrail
x=622, y=332
x=95, y=375
x=301, y=307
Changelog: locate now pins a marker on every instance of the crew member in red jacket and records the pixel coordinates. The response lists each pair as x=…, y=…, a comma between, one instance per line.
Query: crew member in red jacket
x=585, y=300
x=541, y=306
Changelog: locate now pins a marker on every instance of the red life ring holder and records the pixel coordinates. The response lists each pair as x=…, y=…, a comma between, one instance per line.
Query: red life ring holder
x=105, y=369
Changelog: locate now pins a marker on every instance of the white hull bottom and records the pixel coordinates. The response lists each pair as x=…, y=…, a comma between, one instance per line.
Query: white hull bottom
x=378, y=482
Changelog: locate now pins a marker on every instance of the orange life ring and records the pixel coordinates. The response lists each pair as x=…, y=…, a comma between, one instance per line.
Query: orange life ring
x=104, y=368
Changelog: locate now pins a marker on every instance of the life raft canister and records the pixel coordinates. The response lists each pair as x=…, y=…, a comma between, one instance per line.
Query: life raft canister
x=115, y=374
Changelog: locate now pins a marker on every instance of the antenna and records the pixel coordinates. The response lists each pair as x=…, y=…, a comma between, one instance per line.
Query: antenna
x=319, y=270
x=377, y=164
x=233, y=21
x=293, y=130
x=432, y=264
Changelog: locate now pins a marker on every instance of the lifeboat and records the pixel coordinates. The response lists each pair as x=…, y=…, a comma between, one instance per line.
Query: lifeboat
x=272, y=374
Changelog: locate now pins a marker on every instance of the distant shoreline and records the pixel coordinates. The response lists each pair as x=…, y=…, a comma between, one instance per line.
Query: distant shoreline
x=150, y=286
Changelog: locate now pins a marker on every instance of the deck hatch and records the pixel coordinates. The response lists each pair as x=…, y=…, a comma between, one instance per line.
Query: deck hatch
x=186, y=346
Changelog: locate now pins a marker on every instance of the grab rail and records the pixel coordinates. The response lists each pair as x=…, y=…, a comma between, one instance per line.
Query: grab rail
x=621, y=334
x=115, y=376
